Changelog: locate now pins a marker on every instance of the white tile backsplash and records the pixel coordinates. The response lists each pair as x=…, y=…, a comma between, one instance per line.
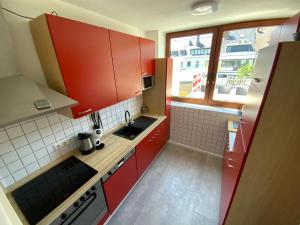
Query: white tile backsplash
x=46, y=131
x=15, y=166
x=10, y=157
x=27, y=160
x=42, y=122
x=14, y=132
x=200, y=127
x=37, y=145
x=32, y=167
x=19, y=142
x=49, y=140
x=29, y=127
x=24, y=151
x=34, y=136
x=6, y=147
x=28, y=145
x=19, y=174
x=3, y=136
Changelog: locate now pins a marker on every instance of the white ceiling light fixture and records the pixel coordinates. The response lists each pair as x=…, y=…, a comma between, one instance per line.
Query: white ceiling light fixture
x=204, y=7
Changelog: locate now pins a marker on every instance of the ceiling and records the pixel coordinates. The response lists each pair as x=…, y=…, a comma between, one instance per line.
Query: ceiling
x=174, y=15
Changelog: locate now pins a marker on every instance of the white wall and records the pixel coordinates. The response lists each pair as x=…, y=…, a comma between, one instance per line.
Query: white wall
x=160, y=42
x=19, y=28
x=8, y=63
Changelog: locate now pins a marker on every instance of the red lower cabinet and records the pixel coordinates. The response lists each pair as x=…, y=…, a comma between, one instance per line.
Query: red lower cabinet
x=145, y=153
x=232, y=162
x=160, y=137
x=120, y=183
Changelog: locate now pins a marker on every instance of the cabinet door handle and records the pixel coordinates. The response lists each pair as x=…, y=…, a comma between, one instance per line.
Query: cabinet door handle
x=150, y=140
x=138, y=92
x=257, y=80
x=85, y=111
x=228, y=163
x=121, y=163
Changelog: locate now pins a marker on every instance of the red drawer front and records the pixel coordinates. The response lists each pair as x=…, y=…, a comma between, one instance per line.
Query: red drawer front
x=120, y=183
x=144, y=153
x=232, y=163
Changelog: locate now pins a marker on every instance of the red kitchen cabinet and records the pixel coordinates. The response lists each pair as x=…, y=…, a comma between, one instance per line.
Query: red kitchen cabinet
x=147, y=48
x=264, y=179
x=126, y=61
x=160, y=137
x=84, y=57
x=120, y=183
x=232, y=162
x=145, y=153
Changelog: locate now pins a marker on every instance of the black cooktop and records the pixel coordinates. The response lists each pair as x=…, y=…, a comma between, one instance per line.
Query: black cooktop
x=40, y=196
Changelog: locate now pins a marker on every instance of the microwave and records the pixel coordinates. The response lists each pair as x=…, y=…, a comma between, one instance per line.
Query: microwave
x=147, y=82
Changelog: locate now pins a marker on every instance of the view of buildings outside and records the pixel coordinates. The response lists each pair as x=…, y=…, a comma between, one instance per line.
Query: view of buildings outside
x=236, y=62
x=191, y=58
x=239, y=50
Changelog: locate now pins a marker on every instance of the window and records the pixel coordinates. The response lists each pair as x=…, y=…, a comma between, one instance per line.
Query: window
x=183, y=52
x=190, y=81
x=237, y=58
x=214, y=66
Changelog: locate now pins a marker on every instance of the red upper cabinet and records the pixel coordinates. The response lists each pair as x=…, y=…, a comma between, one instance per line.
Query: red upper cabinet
x=126, y=62
x=147, y=56
x=84, y=56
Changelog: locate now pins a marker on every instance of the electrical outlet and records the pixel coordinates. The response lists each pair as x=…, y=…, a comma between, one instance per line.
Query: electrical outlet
x=57, y=146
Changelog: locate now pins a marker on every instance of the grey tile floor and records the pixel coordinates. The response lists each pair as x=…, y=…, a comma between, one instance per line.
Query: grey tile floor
x=182, y=187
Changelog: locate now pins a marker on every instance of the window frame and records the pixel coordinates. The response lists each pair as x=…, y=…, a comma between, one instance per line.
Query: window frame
x=217, y=32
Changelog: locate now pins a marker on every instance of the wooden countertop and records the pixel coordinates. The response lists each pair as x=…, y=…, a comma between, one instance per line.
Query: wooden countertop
x=115, y=149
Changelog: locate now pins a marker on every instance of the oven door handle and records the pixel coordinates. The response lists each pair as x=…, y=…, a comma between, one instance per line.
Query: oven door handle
x=91, y=198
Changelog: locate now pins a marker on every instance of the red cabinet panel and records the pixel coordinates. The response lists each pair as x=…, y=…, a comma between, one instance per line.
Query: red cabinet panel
x=120, y=183
x=84, y=56
x=168, y=95
x=147, y=56
x=232, y=163
x=126, y=60
x=145, y=153
x=160, y=136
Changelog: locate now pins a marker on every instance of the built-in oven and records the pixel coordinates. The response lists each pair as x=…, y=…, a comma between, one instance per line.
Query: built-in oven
x=147, y=81
x=89, y=209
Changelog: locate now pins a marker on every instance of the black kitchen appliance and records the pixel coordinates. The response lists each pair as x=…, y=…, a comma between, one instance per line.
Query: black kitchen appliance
x=41, y=195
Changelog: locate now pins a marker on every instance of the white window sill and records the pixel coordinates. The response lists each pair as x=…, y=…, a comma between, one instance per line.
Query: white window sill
x=205, y=107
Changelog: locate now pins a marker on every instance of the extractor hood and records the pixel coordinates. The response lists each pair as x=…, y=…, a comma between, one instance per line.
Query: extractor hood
x=17, y=97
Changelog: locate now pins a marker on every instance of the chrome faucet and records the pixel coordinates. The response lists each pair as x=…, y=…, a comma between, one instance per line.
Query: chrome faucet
x=128, y=118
